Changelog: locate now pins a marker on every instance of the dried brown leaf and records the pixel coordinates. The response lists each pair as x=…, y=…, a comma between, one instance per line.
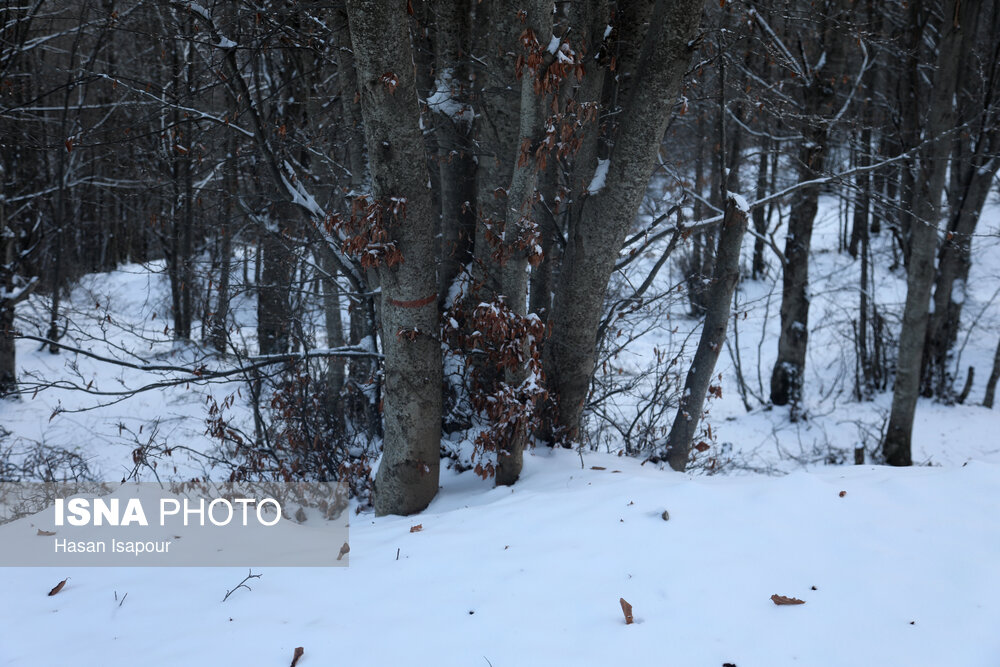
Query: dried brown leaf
x=59, y=586
x=46, y=533
x=298, y=654
x=344, y=550
x=782, y=600
x=417, y=528
x=627, y=610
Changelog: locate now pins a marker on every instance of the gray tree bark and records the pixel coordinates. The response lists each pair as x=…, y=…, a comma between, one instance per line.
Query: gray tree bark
x=923, y=231
x=520, y=202
x=407, y=478
x=497, y=126
x=789, y=367
x=718, y=305
x=650, y=85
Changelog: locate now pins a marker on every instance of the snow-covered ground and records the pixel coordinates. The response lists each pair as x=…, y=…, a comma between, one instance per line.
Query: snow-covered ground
x=900, y=570
x=896, y=566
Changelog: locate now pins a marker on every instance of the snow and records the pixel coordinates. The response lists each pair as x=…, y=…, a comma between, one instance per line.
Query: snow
x=600, y=176
x=903, y=563
x=442, y=100
x=740, y=201
x=199, y=10
x=553, y=46
x=958, y=292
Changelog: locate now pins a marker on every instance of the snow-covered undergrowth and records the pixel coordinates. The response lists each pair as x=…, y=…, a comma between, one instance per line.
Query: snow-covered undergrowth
x=899, y=569
x=833, y=423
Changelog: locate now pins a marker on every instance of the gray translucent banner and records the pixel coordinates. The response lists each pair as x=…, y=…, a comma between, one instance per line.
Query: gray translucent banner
x=302, y=524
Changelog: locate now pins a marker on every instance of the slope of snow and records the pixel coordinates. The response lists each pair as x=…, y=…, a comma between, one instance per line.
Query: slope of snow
x=903, y=565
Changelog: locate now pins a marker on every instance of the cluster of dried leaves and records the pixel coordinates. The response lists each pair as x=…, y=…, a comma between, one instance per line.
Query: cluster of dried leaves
x=503, y=343
x=366, y=230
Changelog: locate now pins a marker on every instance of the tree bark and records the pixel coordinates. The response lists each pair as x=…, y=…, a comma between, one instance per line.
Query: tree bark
x=596, y=237
x=760, y=214
x=274, y=308
x=408, y=474
x=452, y=117
x=789, y=368
x=923, y=233
x=519, y=218
x=991, y=384
x=718, y=304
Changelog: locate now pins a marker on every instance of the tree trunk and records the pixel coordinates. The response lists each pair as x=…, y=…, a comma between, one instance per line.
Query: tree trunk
x=520, y=218
x=333, y=320
x=219, y=333
x=789, y=368
x=954, y=261
x=819, y=98
x=274, y=308
x=596, y=237
x=718, y=303
x=991, y=384
x=923, y=233
x=407, y=477
x=452, y=117
x=759, y=214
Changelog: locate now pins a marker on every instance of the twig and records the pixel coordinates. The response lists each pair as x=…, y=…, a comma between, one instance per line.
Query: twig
x=242, y=584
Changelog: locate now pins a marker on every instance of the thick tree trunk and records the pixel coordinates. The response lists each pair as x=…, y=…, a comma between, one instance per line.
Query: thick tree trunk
x=596, y=237
x=718, y=303
x=407, y=477
x=923, y=232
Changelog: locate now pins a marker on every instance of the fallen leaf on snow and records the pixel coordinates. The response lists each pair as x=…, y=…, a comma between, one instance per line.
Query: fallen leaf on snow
x=781, y=599
x=627, y=610
x=46, y=533
x=298, y=654
x=59, y=586
x=417, y=528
